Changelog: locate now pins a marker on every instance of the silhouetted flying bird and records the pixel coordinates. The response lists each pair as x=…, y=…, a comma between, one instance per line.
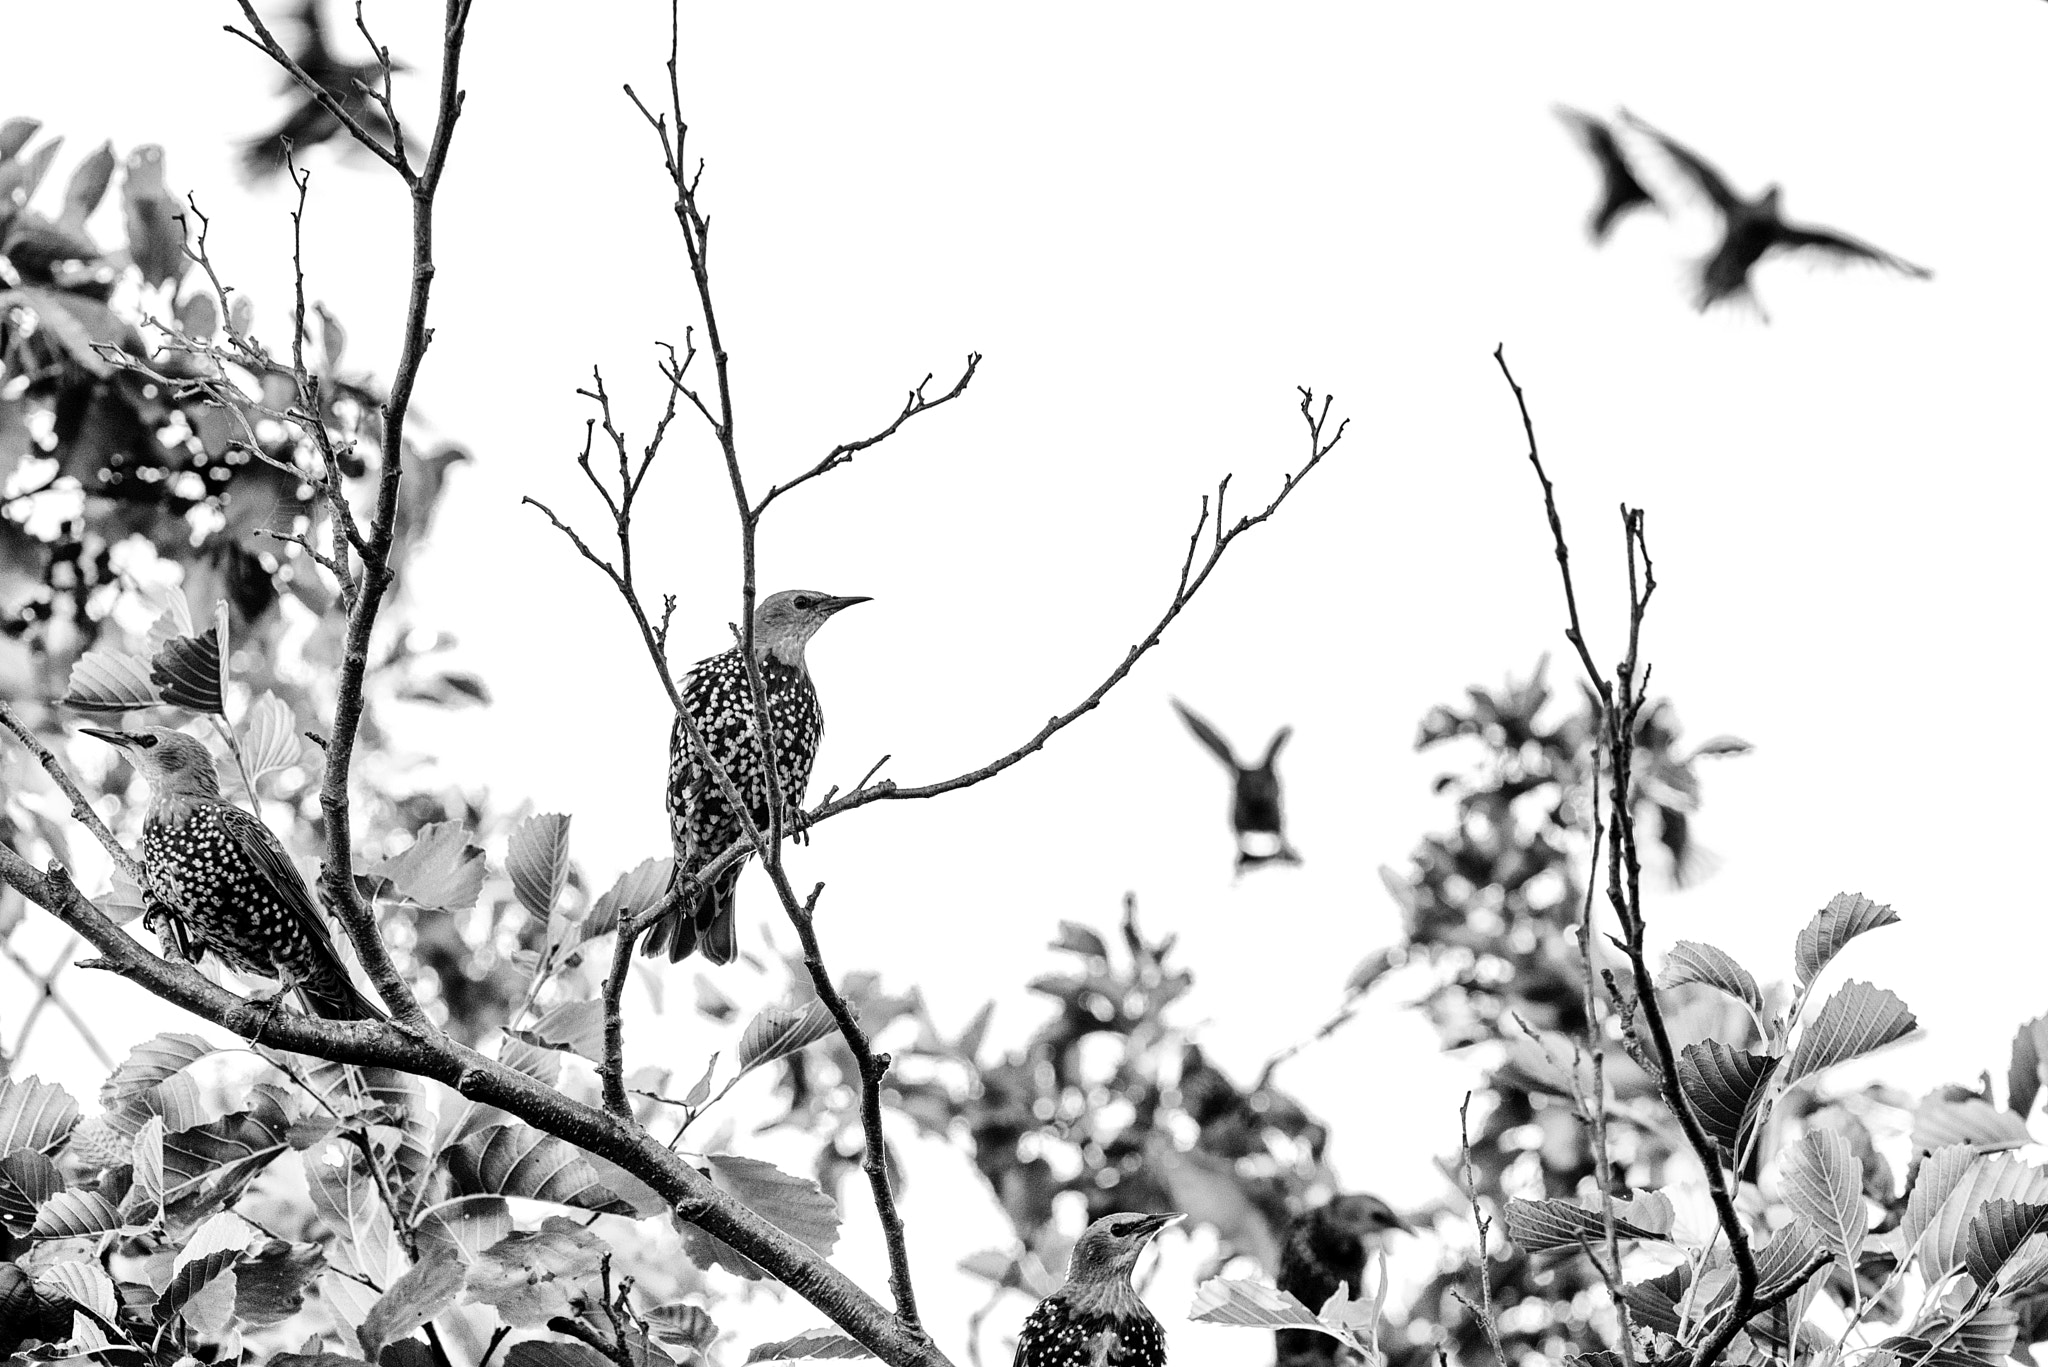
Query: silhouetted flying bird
x=1096, y=1319
x=1620, y=191
x=309, y=123
x=1326, y=1248
x=1751, y=229
x=1255, y=795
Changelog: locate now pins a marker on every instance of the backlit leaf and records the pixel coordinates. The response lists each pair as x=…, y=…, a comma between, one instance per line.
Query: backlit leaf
x=1538, y=1226
x=517, y=1160
x=1996, y=1233
x=187, y=672
x=1692, y=962
x=1939, y=1121
x=1851, y=1023
x=1724, y=1085
x=538, y=860
x=72, y=1213
x=439, y=869
x=1246, y=1304
x=271, y=742
x=636, y=890
x=795, y=1205
x=534, y=1276
x=426, y=1289
x=35, y=1115
x=1823, y=1183
x=781, y=1030
x=815, y=1345
x=107, y=680
x=1846, y=916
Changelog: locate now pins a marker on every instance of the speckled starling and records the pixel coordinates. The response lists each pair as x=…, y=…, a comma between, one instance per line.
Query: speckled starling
x=1620, y=191
x=224, y=882
x=1096, y=1319
x=1255, y=794
x=30, y=1314
x=1326, y=1248
x=1750, y=229
x=702, y=823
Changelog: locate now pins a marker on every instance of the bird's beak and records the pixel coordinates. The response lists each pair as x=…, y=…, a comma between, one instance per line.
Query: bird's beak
x=119, y=739
x=1396, y=1221
x=832, y=605
x=1152, y=1224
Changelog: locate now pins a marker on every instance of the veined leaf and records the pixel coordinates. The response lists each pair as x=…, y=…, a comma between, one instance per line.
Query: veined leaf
x=1538, y=1226
x=795, y=1205
x=270, y=1283
x=106, y=680
x=426, y=1289
x=1846, y=916
x=531, y=1277
x=27, y=1180
x=821, y=1343
x=1823, y=1183
x=148, y=1064
x=1724, y=1085
x=551, y=1353
x=69, y=1214
x=1938, y=1121
x=35, y=1115
x=1851, y=1023
x=439, y=869
x=1247, y=1304
x=1693, y=962
x=1936, y=1177
x=636, y=890
x=187, y=672
x=683, y=1324
x=538, y=860
x=782, y=1030
x=517, y=1160
x=270, y=737
x=1999, y=1176
x=1996, y=1233
x=207, y=1167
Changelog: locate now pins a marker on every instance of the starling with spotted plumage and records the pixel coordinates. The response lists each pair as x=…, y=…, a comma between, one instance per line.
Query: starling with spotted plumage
x=224, y=883
x=718, y=699
x=1254, y=795
x=1096, y=1319
x=1326, y=1248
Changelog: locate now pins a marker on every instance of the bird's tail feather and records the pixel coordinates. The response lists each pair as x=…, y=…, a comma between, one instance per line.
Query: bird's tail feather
x=705, y=923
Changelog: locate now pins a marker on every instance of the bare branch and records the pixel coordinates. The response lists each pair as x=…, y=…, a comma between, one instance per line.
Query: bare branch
x=841, y=455
x=47, y=994
x=81, y=806
x=1484, y=1227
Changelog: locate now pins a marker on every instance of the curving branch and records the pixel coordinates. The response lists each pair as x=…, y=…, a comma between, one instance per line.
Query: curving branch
x=1621, y=700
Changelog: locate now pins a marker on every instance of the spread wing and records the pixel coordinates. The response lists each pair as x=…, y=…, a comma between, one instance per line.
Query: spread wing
x=1843, y=248
x=1211, y=738
x=1274, y=746
x=1697, y=168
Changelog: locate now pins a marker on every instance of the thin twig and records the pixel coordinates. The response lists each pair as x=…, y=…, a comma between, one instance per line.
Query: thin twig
x=840, y=455
x=1484, y=1227
x=48, y=995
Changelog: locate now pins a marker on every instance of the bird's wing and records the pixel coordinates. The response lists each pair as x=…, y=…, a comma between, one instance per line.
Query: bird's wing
x=1841, y=247
x=1274, y=746
x=1702, y=173
x=1210, y=737
x=270, y=860
x=1599, y=141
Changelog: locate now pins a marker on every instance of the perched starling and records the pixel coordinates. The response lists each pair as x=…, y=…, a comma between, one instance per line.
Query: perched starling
x=1255, y=795
x=224, y=882
x=702, y=823
x=1096, y=1319
x=1750, y=229
x=309, y=123
x=1326, y=1248
x=1620, y=191
x=30, y=1314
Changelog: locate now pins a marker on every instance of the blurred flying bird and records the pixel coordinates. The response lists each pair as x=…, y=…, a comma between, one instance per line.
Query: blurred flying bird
x=1255, y=796
x=1751, y=229
x=1096, y=1319
x=1326, y=1248
x=352, y=84
x=1620, y=191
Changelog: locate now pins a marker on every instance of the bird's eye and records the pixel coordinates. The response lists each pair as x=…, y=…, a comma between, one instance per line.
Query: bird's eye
x=805, y=604
x=1122, y=1228
x=146, y=742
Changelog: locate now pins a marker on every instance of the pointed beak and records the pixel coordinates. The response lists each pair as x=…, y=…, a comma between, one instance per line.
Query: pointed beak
x=119, y=739
x=1152, y=1224
x=832, y=605
x=1396, y=1220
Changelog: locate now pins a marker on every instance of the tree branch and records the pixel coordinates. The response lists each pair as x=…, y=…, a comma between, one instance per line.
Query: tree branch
x=841, y=455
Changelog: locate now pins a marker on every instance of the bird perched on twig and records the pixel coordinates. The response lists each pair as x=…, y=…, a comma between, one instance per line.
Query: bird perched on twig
x=1326, y=1248
x=29, y=1313
x=223, y=883
x=1096, y=1319
x=702, y=822
x=1753, y=228
x=352, y=84
x=1620, y=191
x=1255, y=794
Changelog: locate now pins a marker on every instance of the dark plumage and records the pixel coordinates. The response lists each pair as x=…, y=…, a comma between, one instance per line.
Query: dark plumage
x=30, y=1314
x=309, y=122
x=702, y=822
x=1751, y=229
x=1096, y=1319
x=1255, y=794
x=1326, y=1248
x=1620, y=191
x=223, y=880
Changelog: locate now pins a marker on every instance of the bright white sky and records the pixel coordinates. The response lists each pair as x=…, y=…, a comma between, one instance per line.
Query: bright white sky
x=1154, y=224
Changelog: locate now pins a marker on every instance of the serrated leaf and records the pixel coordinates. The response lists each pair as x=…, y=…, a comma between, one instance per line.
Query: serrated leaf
x=106, y=680
x=1846, y=916
x=517, y=1160
x=1538, y=1226
x=85, y=1282
x=538, y=860
x=1692, y=962
x=148, y=1064
x=27, y=1180
x=1995, y=1233
x=1823, y=1184
x=1939, y=1121
x=1937, y=1176
x=683, y=1324
x=271, y=1282
x=70, y=1214
x=2000, y=1176
x=270, y=737
x=208, y=1166
x=636, y=890
x=187, y=672
x=534, y=1276
x=1855, y=1020
x=439, y=869
x=817, y=1344
x=1246, y=1304
x=469, y=1227
x=548, y=1353
x=2028, y=1070
x=427, y=1288
x=146, y=1158
x=35, y=1115
x=1725, y=1086
x=795, y=1205
x=782, y=1030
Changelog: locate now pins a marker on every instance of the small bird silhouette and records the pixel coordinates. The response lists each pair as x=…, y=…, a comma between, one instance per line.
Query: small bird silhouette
x=1255, y=796
x=223, y=880
x=1753, y=228
x=1096, y=1319
x=1620, y=191
x=1327, y=1248
x=309, y=123
x=717, y=697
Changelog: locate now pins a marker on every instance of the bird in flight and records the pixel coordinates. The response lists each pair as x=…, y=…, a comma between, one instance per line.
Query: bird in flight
x=1753, y=228
x=1255, y=794
x=1620, y=191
